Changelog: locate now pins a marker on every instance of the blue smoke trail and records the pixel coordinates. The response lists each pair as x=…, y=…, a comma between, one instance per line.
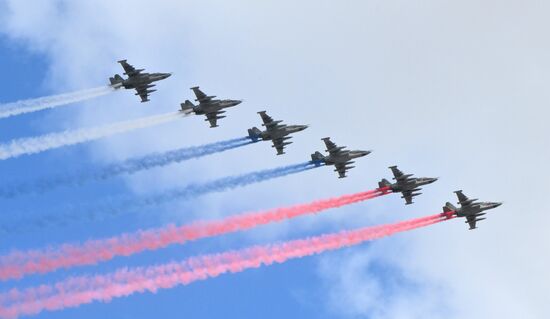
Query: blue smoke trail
x=118, y=205
x=126, y=167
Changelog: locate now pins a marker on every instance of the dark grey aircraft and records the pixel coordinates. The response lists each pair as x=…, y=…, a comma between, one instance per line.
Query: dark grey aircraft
x=274, y=131
x=469, y=208
x=208, y=106
x=141, y=82
x=405, y=184
x=338, y=157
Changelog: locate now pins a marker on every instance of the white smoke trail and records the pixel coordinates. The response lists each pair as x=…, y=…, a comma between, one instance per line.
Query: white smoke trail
x=48, y=102
x=31, y=145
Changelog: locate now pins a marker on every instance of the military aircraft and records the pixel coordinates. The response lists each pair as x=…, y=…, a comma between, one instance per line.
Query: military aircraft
x=338, y=157
x=469, y=208
x=405, y=184
x=274, y=131
x=141, y=82
x=208, y=106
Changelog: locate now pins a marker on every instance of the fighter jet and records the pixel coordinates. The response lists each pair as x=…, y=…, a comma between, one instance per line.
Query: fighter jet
x=338, y=157
x=469, y=208
x=405, y=184
x=208, y=106
x=274, y=131
x=141, y=82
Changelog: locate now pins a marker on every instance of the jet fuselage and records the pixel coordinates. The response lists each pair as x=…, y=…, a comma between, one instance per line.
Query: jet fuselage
x=344, y=156
x=214, y=105
x=411, y=184
x=475, y=208
x=143, y=79
x=281, y=131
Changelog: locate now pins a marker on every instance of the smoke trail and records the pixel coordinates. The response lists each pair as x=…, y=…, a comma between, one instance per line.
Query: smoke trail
x=126, y=167
x=42, y=143
x=20, y=263
x=48, y=102
x=111, y=206
x=76, y=291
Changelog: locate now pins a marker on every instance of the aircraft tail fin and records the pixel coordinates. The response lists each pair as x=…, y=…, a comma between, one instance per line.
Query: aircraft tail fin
x=254, y=133
x=384, y=183
x=116, y=80
x=449, y=208
x=187, y=106
x=317, y=157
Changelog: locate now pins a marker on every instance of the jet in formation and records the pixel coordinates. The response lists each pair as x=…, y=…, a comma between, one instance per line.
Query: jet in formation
x=338, y=157
x=469, y=208
x=274, y=131
x=405, y=184
x=141, y=82
x=208, y=106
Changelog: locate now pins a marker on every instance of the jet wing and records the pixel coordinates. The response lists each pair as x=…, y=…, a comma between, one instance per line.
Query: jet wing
x=143, y=93
x=471, y=220
x=269, y=123
x=266, y=118
x=341, y=169
x=331, y=147
x=129, y=69
x=408, y=196
x=279, y=145
x=201, y=97
x=461, y=197
x=213, y=117
x=397, y=173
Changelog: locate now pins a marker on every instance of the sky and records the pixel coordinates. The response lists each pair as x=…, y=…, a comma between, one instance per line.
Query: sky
x=456, y=90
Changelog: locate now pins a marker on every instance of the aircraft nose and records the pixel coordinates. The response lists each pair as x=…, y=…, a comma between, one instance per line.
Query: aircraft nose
x=237, y=102
x=497, y=204
x=302, y=127
x=434, y=179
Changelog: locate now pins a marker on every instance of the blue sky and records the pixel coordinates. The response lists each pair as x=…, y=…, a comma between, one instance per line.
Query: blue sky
x=279, y=292
x=455, y=90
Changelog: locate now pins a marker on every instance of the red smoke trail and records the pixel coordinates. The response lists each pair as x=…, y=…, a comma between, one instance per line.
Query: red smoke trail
x=17, y=264
x=81, y=290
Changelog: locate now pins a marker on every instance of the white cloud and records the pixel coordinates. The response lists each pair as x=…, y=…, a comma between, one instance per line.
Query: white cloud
x=451, y=89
